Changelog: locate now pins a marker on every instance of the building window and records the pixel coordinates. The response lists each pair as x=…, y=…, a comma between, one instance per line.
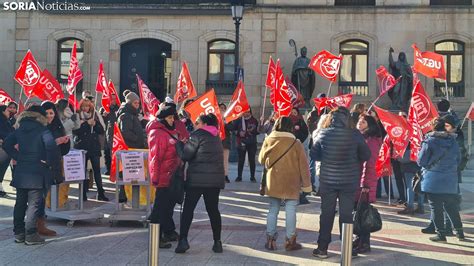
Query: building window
x=353, y=76
x=64, y=56
x=453, y=53
x=450, y=2
x=221, y=66
x=354, y=3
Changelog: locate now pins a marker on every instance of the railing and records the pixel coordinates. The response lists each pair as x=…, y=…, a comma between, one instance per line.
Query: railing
x=454, y=90
x=354, y=3
x=450, y=2
x=360, y=90
x=155, y=2
x=221, y=87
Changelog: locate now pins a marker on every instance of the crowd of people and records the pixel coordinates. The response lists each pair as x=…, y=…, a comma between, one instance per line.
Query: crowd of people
x=331, y=154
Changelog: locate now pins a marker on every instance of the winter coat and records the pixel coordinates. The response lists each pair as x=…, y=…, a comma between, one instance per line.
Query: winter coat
x=57, y=130
x=205, y=156
x=130, y=126
x=464, y=159
x=70, y=125
x=439, y=158
x=228, y=137
x=37, y=155
x=110, y=119
x=290, y=174
x=340, y=150
x=182, y=130
x=300, y=129
x=312, y=121
x=251, y=131
x=5, y=127
x=85, y=140
x=368, y=178
x=163, y=159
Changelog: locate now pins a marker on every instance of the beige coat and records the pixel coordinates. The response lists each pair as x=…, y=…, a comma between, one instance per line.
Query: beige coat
x=290, y=174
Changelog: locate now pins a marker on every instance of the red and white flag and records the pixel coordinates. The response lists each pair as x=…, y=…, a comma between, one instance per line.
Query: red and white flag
x=117, y=145
x=271, y=74
x=282, y=95
x=397, y=129
x=344, y=100
x=150, y=104
x=416, y=135
x=109, y=94
x=205, y=104
x=239, y=104
x=72, y=100
x=75, y=74
x=101, y=84
x=48, y=88
x=383, y=166
x=386, y=80
x=326, y=64
x=28, y=74
x=428, y=63
x=297, y=99
x=424, y=108
x=470, y=112
x=5, y=98
x=185, y=86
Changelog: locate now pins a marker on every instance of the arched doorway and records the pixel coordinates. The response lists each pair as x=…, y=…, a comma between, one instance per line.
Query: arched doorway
x=149, y=58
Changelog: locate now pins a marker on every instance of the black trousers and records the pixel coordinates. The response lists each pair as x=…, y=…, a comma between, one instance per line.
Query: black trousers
x=399, y=179
x=27, y=203
x=444, y=202
x=251, y=150
x=3, y=169
x=211, y=200
x=95, y=162
x=329, y=198
x=163, y=209
x=386, y=187
x=107, y=157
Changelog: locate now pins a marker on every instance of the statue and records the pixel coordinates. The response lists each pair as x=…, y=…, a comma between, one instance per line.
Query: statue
x=302, y=76
x=401, y=93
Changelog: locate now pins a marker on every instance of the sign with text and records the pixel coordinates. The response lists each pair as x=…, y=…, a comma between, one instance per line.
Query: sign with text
x=133, y=167
x=73, y=164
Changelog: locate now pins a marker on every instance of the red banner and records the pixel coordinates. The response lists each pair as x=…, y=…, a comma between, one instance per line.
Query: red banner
x=341, y=100
x=73, y=101
x=109, y=94
x=282, y=95
x=101, y=84
x=326, y=64
x=74, y=75
x=397, y=129
x=383, y=166
x=297, y=99
x=117, y=145
x=150, y=104
x=5, y=98
x=271, y=79
x=429, y=64
x=424, y=108
x=205, y=104
x=239, y=104
x=48, y=88
x=416, y=135
x=28, y=74
x=386, y=80
x=185, y=86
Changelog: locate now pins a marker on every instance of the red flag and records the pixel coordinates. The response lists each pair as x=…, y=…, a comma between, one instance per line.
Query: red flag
x=239, y=104
x=205, y=104
x=386, y=80
x=429, y=64
x=74, y=75
x=416, y=135
x=185, y=87
x=282, y=95
x=326, y=64
x=297, y=99
x=424, y=108
x=73, y=101
x=397, y=129
x=341, y=100
x=117, y=145
x=5, y=98
x=28, y=74
x=101, y=84
x=383, y=166
x=470, y=112
x=150, y=104
x=21, y=107
x=109, y=94
x=48, y=88
x=271, y=79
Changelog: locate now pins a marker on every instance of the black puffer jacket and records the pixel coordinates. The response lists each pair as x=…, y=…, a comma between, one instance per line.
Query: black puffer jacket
x=205, y=156
x=110, y=120
x=341, y=150
x=37, y=155
x=130, y=126
x=85, y=140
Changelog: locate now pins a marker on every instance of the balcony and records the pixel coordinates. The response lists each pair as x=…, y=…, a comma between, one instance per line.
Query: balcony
x=222, y=87
x=455, y=90
x=356, y=89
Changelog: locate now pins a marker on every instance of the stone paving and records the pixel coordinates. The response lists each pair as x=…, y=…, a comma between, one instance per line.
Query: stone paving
x=400, y=242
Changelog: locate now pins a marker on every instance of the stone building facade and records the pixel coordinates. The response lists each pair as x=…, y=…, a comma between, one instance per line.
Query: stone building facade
x=186, y=32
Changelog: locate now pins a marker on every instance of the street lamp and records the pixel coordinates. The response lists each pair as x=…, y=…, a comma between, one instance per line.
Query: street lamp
x=237, y=13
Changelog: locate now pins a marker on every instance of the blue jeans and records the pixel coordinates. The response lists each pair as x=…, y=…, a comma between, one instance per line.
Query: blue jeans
x=411, y=194
x=272, y=217
x=312, y=171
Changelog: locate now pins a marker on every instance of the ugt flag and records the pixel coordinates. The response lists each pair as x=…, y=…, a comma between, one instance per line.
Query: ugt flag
x=428, y=63
x=282, y=95
x=5, y=98
x=75, y=74
x=326, y=64
x=416, y=135
x=150, y=104
x=109, y=95
x=185, y=86
x=344, y=100
x=117, y=145
x=239, y=104
x=101, y=84
x=386, y=80
x=383, y=166
x=397, y=129
x=424, y=108
x=271, y=79
x=48, y=88
x=28, y=74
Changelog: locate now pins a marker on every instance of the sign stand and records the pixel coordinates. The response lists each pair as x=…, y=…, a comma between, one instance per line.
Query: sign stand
x=134, y=174
x=77, y=212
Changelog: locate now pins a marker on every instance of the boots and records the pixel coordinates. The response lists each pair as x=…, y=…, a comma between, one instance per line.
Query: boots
x=217, y=247
x=290, y=244
x=271, y=243
x=183, y=245
x=42, y=229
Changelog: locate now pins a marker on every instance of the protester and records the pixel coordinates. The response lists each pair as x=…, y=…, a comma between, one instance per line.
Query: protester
x=110, y=118
x=129, y=123
x=312, y=121
x=341, y=150
x=184, y=116
x=69, y=119
x=439, y=157
x=37, y=157
x=356, y=111
x=226, y=142
x=287, y=176
x=300, y=128
x=444, y=108
x=163, y=163
x=5, y=129
x=205, y=177
x=247, y=131
x=87, y=138
x=369, y=128
x=13, y=109
x=267, y=126
x=409, y=169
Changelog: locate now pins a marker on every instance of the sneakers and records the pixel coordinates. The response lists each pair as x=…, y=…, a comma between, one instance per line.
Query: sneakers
x=429, y=230
x=183, y=245
x=217, y=247
x=303, y=200
x=238, y=179
x=227, y=179
x=322, y=254
x=460, y=235
x=20, y=238
x=170, y=237
x=164, y=244
x=33, y=239
x=408, y=211
x=362, y=248
x=253, y=180
x=438, y=238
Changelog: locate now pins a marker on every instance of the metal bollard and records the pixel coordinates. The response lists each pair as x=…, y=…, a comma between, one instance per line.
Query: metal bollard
x=346, y=244
x=153, y=244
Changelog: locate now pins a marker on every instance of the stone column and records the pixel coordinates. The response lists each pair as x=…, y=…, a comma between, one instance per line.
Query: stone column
x=269, y=38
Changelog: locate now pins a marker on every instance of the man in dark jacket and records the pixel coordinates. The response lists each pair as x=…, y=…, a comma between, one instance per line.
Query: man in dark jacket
x=109, y=118
x=341, y=150
x=36, y=155
x=247, y=131
x=129, y=124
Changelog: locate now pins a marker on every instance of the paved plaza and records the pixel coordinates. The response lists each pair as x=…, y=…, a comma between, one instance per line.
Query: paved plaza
x=400, y=242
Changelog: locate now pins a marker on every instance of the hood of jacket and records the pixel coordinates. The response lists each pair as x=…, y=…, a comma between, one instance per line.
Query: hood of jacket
x=127, y=108
x=340, y=119
x=211, y=129
x=31, y=120
x=441, y=139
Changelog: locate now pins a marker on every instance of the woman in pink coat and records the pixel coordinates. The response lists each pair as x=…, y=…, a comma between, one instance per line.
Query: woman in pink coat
x=369, y=128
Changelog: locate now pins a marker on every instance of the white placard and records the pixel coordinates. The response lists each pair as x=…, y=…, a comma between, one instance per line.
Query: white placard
x=73, y=164
x=133, y=166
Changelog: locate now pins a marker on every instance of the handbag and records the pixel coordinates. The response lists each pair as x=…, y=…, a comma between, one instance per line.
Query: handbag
x=263, y=183
x=367, y=218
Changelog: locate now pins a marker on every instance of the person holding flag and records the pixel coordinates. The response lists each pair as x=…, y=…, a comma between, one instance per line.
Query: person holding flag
x=246, y=128
x=5, y=129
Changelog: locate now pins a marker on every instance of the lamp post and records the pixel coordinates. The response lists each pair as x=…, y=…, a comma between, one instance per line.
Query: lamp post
x=237, y=13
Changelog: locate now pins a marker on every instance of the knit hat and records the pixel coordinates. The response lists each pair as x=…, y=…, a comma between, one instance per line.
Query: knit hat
x=321, y=95
x=165, y=110
x=168, y=100
x=443, y=105
x=131, y=96
x=450, y=120
x=37, y=109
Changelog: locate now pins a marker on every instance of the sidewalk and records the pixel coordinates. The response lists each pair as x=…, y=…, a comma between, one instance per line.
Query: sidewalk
x=400, y=242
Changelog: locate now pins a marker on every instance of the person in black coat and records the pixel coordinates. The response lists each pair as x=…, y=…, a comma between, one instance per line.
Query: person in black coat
x=5, y=129
x=87, y=138
x=341, y=151
x=205, y=177
x=128, y=122
x=246, y=142
x=110, y=118
x=37, y=156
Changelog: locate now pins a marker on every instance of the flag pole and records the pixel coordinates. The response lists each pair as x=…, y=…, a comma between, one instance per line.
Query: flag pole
x=95, y=105
x=373, y=103
x=446, y=86
x=264, y=103
x=389, y=190
x=329, y=90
